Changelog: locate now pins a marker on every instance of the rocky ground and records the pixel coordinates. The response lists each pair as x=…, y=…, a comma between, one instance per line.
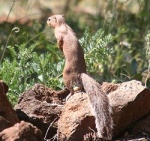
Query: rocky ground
x=42, y=114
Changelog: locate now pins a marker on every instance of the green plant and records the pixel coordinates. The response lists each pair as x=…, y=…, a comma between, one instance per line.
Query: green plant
x=97, y=50
x=26, y=67
x=147, y=39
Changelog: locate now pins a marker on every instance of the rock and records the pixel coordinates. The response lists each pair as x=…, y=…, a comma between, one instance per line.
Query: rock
x=7, y=113
x=37, y=106
x=76, y=120
x=142, y=126
x=130, y=101
x=109, y=87
x=22, y=131
x=3, y=87
x=4, y=124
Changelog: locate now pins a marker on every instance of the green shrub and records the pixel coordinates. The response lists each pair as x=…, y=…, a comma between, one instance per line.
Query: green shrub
x=146, y=75
x=26, y=67
x=98, y=52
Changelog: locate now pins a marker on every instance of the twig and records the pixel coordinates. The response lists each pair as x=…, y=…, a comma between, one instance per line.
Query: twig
x=16, y=30
x=34, y=37
x=10, y=33
x=55, y=104
x=92, y=130
x=49, y=128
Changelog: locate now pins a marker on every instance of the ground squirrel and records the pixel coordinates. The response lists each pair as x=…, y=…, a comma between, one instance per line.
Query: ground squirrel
x=74, y=74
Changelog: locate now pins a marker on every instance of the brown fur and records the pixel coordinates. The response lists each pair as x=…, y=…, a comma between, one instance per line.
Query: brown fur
x=68, y=43
x=74, y=74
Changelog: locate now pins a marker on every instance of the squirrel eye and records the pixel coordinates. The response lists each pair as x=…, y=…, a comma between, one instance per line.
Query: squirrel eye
x=49, y=19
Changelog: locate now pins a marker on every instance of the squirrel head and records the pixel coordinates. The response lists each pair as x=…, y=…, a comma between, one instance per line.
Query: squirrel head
x=56, y=20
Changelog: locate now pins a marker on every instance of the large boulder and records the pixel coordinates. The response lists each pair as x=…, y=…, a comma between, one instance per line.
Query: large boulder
x=8, y=116
x=130, y=102
x=76, y=120
x=142, y=126
x=22, y=131
x=4, y=123
x=41, y=106
x=44, y=107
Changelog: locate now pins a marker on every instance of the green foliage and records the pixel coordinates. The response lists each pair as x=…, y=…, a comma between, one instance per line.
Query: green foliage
x=97, y=49
x=26, y=67
x=147, y=73
x=128, y=60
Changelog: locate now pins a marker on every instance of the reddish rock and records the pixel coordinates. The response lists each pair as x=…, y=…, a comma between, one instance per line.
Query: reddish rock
x=4, y=124
x=6, y=110
x=130, y=101
x=22, y=131
x=142, y=126
x=76, y=120
x=38, y=106
x=109, y=87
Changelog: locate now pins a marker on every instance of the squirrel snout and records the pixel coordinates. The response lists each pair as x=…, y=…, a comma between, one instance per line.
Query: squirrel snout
x=51, y=21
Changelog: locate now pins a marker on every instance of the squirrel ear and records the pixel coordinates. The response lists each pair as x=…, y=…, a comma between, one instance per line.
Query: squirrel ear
x=62, y=15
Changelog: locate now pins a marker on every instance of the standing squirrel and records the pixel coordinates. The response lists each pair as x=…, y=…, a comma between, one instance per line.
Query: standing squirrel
x=74, y=74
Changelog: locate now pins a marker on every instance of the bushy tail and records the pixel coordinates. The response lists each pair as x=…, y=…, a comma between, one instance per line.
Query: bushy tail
x=100, y=105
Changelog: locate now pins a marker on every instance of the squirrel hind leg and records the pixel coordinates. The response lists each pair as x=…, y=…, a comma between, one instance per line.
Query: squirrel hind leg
x=71, y=93
x=76, y=89
x=68, y=96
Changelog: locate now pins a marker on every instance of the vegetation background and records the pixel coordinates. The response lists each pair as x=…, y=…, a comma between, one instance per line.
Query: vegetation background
x=115, y=35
